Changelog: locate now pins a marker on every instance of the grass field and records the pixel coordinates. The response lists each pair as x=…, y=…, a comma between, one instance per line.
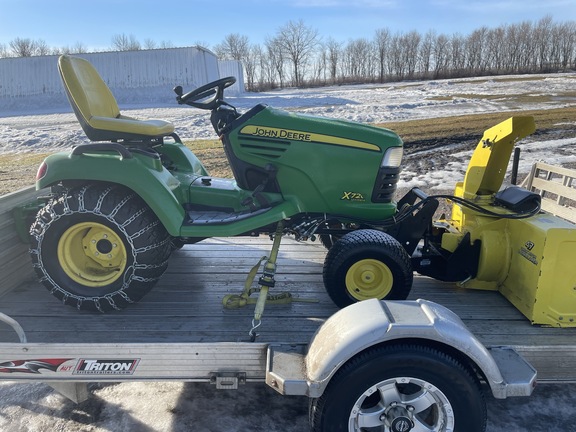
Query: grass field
x=18, y=170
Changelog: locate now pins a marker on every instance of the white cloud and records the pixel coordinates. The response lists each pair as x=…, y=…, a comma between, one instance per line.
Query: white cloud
x=500, y=5
x=373, y=4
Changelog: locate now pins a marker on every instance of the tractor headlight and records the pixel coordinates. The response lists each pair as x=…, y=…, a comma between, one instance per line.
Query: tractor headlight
x=393, y=157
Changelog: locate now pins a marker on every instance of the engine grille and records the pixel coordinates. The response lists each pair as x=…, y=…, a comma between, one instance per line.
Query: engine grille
x=269, y=148
x=385, y=185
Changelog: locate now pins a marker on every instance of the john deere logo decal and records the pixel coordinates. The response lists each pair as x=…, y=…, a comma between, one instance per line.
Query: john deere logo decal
x=296, y=135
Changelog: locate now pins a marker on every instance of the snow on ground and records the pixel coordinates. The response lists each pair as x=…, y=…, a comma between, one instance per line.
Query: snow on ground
x=52, y=127
x=30, y=129
x=199, y=407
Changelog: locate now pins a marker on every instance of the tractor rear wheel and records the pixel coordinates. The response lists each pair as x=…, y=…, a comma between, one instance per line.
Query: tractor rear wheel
x=99, y=247
x=367, y=264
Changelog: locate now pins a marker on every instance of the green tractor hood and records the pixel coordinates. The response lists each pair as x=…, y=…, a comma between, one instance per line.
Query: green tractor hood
x=327, y=165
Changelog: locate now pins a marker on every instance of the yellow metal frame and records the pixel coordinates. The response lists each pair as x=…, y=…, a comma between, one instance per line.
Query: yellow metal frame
x=530, y=261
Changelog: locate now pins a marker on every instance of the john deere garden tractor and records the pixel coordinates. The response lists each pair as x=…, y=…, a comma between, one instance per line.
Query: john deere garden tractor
x=121, y=204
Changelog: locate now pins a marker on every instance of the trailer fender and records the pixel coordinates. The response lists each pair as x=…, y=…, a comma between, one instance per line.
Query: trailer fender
x=369, y=323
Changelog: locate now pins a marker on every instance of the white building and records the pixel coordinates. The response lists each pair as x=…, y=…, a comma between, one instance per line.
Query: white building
x=134, y=77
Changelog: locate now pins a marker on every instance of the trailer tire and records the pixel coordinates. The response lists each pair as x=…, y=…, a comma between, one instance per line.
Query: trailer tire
x=399, y=388
x=367, y=264
x=98, y=247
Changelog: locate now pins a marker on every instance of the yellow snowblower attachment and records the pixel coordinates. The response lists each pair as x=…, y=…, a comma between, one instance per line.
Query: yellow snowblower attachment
x=487, y=166
x=529, y=260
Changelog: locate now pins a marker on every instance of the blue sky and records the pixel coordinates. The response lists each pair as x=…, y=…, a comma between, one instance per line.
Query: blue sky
x=187, y=22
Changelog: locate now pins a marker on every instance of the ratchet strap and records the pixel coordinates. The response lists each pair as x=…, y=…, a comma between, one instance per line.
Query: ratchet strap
x=266, y=281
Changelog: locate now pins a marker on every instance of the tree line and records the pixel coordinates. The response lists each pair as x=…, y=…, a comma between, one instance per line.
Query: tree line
x=26, y=47
x=296, y=55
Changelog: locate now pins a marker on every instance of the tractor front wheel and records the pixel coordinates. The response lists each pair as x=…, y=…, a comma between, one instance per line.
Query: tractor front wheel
x=99, y=247
x=367, y=264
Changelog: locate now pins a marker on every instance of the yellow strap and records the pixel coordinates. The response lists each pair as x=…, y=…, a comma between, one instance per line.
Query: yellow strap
x=251, y=276
x=259, y=309
x=233, y=301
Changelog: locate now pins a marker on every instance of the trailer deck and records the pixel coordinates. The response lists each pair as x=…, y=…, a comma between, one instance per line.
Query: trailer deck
x=185, y=307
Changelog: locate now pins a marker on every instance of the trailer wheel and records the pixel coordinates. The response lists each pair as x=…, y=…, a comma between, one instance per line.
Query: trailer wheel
x=367, y=264
x=401, y=388
x=99, y=247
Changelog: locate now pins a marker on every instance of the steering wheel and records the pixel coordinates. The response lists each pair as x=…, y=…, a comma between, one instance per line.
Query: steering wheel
x=209, y=96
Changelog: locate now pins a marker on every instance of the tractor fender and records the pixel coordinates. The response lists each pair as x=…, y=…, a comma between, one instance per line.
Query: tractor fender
x=146, y=177
x=362, y=325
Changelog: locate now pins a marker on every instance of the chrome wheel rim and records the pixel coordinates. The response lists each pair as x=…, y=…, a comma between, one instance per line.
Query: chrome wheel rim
x=402, y=404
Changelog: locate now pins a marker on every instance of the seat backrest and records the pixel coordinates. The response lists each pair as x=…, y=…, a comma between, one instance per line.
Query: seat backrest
x=97, y=109
x=87, y=91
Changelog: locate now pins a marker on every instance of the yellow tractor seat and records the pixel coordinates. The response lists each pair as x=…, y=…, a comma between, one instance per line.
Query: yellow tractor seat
x=97, y=109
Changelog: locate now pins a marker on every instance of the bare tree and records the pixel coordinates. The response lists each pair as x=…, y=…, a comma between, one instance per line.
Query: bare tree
x=266, y=76
x=475, y=49
x=78, y=48
x=166, y=44
x=150, y=44
x=250, y=62
x=425, y=54
x=410, y=45
x=495, y=51
x=276, y=57
x=4, y=52
x=441, y=55
x=457, y=54
x=298, y=42
x=23, y=47
x=333, y=49
x=331, y=56
x=234, y=47
x=41, y=47
x=568, y=45
x=543, y=35
x=123, y=42
x=357, y=57
x=381, y=41
x=395, y=66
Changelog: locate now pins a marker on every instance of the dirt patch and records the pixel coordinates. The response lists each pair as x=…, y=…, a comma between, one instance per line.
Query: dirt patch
x=18, y=170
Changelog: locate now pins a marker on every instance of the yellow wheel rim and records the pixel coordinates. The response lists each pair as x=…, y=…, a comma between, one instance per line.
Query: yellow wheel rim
x=369, y=278
x=92, y=254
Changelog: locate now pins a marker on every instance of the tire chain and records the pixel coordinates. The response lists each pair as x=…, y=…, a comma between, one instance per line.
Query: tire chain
x=130, y=271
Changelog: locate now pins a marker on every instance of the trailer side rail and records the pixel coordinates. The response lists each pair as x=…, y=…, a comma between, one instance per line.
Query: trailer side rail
x=556, y=186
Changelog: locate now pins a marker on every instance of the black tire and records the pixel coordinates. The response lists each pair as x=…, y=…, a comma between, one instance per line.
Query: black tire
x=99, y=247
x=176, y=243
x=367, y=264
x=378, y=389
